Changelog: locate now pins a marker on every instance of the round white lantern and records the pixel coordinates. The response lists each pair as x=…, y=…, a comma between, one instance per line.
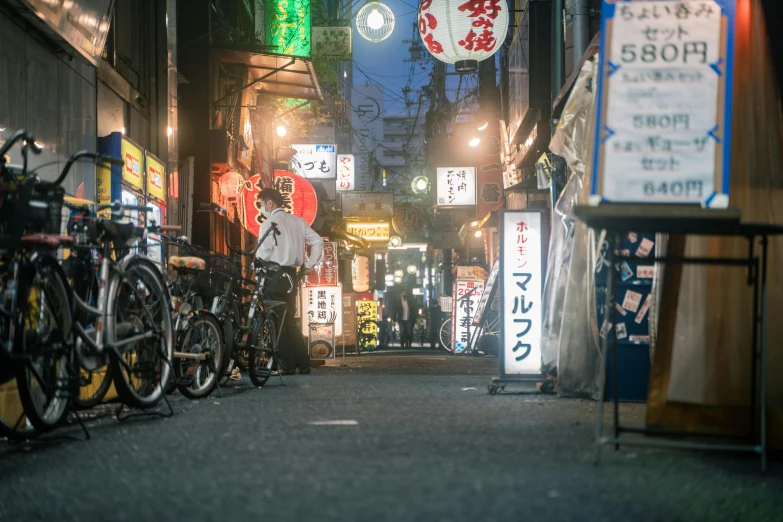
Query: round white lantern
x=463, y=32
x=375, y=21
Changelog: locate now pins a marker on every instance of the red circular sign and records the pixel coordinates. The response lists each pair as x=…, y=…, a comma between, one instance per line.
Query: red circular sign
x=298, y=193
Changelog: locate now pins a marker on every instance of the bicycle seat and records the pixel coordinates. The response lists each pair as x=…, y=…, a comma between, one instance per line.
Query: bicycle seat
x=187, y=263
x=115, y=229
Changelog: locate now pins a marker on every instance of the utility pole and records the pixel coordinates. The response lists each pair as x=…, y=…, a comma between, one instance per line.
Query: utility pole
x=558, y=48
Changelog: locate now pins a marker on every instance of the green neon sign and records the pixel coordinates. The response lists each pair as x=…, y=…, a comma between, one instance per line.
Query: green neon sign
x=288, y=27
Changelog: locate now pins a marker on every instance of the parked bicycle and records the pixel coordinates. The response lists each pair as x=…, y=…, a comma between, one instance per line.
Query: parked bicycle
x=259, y=335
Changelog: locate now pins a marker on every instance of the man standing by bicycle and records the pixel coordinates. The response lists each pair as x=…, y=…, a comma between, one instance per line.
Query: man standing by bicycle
x=288, y=250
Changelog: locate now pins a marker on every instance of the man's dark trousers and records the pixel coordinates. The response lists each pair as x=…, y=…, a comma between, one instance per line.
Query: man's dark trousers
x=406, y=332
x=292, y=348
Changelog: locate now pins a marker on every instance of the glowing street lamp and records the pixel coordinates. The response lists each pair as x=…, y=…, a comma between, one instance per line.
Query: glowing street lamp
x=420, y=185
x=398, y=272
x=375, y=21
x=281, y=131
x=412, y=269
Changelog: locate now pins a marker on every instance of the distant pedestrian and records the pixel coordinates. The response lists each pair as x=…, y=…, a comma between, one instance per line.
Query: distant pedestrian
x=406, y=317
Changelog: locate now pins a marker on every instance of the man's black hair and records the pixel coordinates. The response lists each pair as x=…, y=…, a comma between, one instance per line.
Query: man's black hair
x=270, y=194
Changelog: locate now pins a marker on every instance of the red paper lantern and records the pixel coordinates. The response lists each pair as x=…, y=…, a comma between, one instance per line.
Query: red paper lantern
x=463, y=32
x=298, y=193
x=230, y=183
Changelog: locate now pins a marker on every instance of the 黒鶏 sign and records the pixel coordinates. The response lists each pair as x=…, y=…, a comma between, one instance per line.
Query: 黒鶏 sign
x=521, y=287
x=664, y=97
x=456, y=186
x=315, y=161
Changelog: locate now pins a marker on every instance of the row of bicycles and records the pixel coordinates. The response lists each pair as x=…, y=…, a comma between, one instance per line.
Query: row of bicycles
x=84, y=310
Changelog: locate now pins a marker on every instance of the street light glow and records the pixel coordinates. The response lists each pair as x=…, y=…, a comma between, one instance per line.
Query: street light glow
x=483, y=126
x=478, y=233
x=412, y=269
x=281, y=131
x=375, y=20
x=474, y=142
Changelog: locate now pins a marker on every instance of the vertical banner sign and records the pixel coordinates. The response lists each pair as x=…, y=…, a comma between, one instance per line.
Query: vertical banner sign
x=367, y=315
x=322, y=319
x=349, y=319
x=288, y=27
x=156, y=179
x=131, y=172
x=315, y=161
x=521, y=286
x=325, y=272
x=456, y=186
x=664, y=96
x=346, y=172
x=467, y=295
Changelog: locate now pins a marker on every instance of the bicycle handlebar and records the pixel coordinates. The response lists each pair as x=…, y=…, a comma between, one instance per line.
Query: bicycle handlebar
x=20, y=135
x=97, y=158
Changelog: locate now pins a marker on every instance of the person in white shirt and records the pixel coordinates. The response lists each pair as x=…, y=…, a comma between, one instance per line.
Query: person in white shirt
x=406, y=318
x=289, y=252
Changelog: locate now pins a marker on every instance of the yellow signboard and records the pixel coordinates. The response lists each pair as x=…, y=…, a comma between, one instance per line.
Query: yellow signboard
x=367, y=315
x=156, y=178
x=131, y=171
x=372, y=232
x=104, y=188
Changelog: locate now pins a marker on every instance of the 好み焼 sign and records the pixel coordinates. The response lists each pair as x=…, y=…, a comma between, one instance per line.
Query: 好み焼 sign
x=664, y=102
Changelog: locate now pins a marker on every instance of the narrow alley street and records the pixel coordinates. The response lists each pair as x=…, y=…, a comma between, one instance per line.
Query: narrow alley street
x=392, y=436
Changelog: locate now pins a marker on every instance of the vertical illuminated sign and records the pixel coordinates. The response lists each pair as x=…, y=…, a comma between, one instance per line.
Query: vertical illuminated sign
x=288, y=27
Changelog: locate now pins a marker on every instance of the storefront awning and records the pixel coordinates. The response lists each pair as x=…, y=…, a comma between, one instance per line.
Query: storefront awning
x=276, y=74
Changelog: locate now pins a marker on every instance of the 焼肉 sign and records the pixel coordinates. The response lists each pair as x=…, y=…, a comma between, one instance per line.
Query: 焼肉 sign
x=664, y=96
x=521, y=286
x=456, y=186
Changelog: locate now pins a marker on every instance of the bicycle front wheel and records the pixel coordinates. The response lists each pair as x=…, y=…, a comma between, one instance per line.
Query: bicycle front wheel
x=45, y=374
x=264, y=337
x=197, y=378
x=138, y=329
x=445, y=335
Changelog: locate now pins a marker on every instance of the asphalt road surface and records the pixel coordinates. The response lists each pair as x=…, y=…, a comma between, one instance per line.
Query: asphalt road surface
x=392, y=436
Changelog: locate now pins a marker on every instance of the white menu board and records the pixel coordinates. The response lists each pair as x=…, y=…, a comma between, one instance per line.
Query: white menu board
x=521, y=286
x=315, y=161
x=467, y=295
x=346, y=172
x=664, y=98
x=456, y=186
x=323, y=306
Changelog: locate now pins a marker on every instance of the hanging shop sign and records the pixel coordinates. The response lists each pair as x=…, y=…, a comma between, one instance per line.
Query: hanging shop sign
x=156, y=178
x=334, y=42
x=367, y=204
x=288, y=27
x=322, y=319
x=464, y=306
x=325, y=272
x=463, y=32
x=298, y=194
x=315, y=161
x=489, y=292
x=521, y=286
x=367, y=317
x=134, y=159
x=456, y=186
x=360, y=271
x=346, y=172
x=408, y=220
x=665, y=100
x=372, y=232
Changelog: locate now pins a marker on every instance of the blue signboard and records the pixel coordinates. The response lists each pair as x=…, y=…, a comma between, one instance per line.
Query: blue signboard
x=665, y=87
